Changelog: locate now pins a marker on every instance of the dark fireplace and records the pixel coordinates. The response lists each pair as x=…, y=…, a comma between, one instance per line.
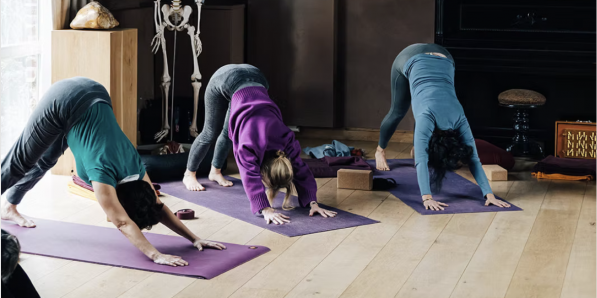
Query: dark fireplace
x=546, y=46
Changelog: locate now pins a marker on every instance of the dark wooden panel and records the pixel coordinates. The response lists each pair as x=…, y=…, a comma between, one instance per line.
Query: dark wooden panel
x=550, y=48
x=568, y=98
x=263, y=48
x=372, y=33
x=516, y=18
x=137, y=18
x=310, y=46
x=293, y=43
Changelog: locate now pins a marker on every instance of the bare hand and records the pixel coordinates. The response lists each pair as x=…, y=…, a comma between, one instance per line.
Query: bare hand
x=325, y=213
x=200, y=244
x=431, y=204
x=492, y=200
x=270, y=216
x=169, y=260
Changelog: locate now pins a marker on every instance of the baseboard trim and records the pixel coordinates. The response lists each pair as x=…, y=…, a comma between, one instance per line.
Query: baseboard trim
x=353, y=134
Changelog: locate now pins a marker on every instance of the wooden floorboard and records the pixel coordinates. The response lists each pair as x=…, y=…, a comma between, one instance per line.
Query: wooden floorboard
x=299, y=259
x=542, y=266
x=580, y=275
x=439, y=271
x=490, y=270
x=334, y=274
x=547, y=250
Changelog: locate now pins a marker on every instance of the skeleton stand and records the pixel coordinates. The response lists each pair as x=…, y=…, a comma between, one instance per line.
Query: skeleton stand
x=175, y=18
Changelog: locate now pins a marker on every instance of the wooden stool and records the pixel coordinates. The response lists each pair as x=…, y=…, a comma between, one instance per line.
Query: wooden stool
x=522, y=100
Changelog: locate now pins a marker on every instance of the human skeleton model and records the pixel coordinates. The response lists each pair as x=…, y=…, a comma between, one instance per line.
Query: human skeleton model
x=175, y=18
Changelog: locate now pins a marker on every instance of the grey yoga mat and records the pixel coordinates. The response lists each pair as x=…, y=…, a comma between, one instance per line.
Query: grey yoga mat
x=107, y=246
x=462, y=195
x=233, y=202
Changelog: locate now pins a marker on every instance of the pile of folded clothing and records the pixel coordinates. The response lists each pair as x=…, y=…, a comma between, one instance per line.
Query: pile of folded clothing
x=81, y=188
x=328, y=167
x=335, y=149
x=565, y=169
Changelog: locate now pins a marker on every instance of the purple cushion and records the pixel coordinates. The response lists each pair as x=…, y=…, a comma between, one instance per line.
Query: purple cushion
x=566, y=166
x=490, y=154
x=328, y=167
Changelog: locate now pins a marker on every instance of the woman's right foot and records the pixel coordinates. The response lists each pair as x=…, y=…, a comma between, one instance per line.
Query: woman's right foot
x=9, y=212
x=380, y=159
x=216, y=175
x=190, y=181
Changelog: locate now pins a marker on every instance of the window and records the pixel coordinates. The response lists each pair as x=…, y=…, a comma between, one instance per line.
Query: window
x=23, y=48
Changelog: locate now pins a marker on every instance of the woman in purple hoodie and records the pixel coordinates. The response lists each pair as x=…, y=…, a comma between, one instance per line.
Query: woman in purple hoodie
x=238, y=108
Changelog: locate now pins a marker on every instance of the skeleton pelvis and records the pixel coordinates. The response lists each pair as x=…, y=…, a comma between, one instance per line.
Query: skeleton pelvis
x=175, y=17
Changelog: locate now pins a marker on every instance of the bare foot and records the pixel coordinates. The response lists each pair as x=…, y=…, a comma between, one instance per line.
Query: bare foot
x=190, y=181
x=9, y=212
x=412, y=152
x=216, y=175
x=380, y=159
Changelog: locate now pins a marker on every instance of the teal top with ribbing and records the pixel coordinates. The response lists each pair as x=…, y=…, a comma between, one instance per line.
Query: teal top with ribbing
x=434, y=104
x=102, y=151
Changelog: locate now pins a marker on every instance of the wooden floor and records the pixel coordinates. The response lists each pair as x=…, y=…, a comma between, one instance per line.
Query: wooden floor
x=547, y=250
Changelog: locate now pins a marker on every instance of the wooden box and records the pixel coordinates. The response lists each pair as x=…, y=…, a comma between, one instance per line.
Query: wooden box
x=576, y=140
x=108, y=57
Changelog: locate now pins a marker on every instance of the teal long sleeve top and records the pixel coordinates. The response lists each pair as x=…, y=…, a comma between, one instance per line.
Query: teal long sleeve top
x=434, y=104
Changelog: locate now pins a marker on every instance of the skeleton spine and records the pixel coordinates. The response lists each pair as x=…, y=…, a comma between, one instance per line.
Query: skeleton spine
x=176, y=5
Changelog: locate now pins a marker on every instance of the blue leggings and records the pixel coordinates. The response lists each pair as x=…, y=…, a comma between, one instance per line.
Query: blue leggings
x=401, y=89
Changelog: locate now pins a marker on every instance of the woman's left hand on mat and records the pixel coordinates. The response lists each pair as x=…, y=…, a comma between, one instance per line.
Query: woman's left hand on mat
x=431, y=204
x=325, y=213
x=492, y=200
x=170, y=260
x=200, y=244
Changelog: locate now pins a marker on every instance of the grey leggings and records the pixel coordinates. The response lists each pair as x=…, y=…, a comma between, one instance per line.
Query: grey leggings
x=43, y=140
x=401, y=89
x=218, y=94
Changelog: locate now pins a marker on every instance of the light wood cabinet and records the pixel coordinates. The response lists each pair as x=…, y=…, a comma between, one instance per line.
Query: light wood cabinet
x=108, y=57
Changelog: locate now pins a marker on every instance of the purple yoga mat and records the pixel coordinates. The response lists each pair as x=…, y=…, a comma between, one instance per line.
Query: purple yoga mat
x=233, y=202
x=107, y=246
x=462, y=195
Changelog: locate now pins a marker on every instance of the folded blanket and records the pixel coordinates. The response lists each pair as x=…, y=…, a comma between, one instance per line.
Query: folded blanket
x=566, y=166
x=541, y=175
x=328, y=167
x=78, y=181
x=335, y=149
x=81, y=191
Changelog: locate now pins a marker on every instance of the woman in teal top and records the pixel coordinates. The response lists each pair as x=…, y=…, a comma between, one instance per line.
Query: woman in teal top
x=77, y=113
x=442, y=140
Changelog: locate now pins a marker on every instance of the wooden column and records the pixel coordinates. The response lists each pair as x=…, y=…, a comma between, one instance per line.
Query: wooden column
x=108, y=57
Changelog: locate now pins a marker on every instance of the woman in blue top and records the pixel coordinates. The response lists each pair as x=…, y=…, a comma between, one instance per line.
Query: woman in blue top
x=77, y=113
x=442, y=140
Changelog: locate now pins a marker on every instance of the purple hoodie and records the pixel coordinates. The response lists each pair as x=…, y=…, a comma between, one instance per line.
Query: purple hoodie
x=256, y=127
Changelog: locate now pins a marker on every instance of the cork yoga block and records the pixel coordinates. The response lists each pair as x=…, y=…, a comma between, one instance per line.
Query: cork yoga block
x=495, y=173
x=355, y=179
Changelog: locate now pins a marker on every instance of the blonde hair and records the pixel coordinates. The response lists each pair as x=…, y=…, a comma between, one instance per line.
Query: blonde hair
x=276, y=173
